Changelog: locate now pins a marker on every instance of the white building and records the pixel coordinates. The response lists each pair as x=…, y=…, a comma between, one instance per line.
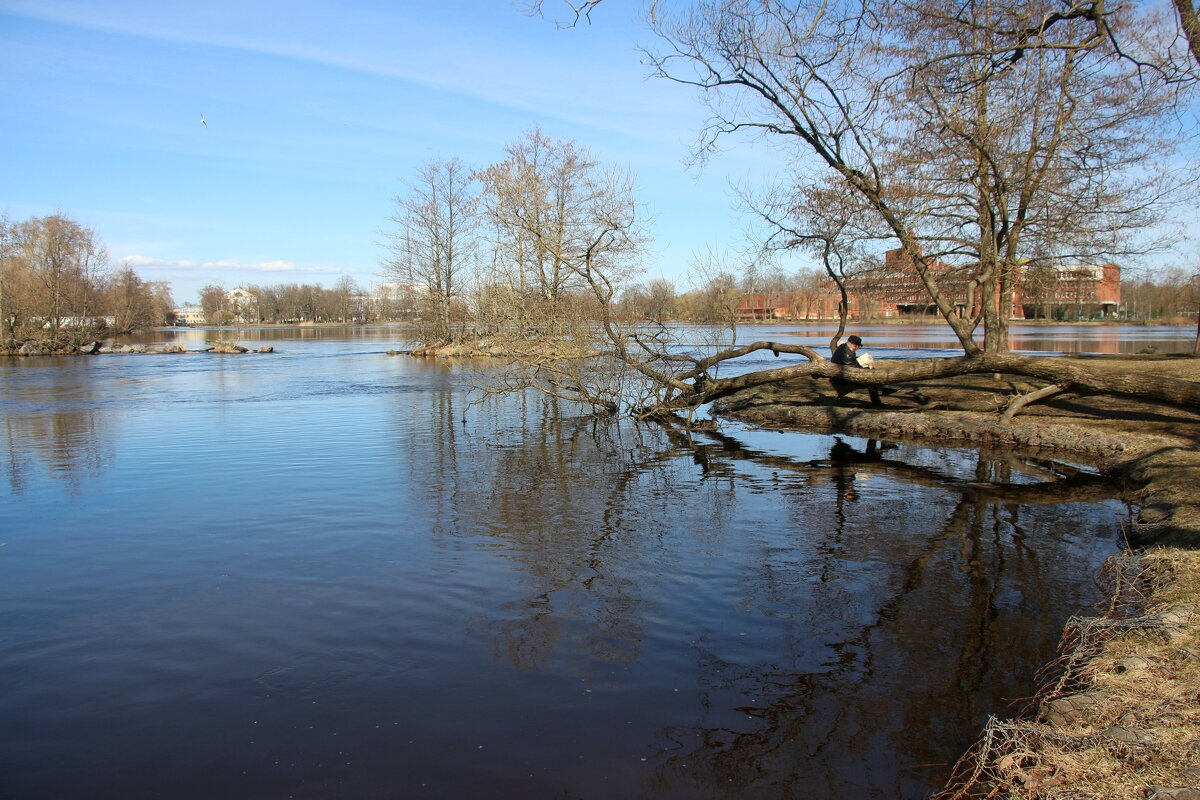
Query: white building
x=190, y=315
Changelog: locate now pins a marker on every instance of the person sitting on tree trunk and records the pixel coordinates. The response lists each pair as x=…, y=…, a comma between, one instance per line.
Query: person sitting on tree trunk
x=846, y=355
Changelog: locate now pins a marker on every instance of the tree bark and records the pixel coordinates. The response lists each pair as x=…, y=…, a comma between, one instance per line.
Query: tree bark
x=1191, y=26
x=1017, y=403
x=1074, y=378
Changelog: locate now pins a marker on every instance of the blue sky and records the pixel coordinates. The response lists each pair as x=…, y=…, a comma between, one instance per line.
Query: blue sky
x=315, y=112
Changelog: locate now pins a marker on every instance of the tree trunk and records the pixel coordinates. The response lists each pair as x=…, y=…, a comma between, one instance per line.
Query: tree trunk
x=1074, y=378
x=1191, y=26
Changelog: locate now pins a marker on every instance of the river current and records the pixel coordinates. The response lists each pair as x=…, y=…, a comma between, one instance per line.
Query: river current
x=330, y=572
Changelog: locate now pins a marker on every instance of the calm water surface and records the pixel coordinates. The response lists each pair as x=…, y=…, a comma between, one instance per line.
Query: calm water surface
x=929, y=341
x=326, y=573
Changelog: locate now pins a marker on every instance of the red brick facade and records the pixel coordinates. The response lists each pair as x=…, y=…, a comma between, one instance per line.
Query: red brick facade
x=894, y=290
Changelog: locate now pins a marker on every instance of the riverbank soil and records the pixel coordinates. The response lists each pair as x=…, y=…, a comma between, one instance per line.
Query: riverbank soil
x=1119, y=715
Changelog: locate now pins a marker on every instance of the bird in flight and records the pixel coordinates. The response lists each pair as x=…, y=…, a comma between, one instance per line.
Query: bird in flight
x=202, y=122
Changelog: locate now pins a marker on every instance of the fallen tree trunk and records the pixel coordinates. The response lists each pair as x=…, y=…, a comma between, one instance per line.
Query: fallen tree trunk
x=1072, y=377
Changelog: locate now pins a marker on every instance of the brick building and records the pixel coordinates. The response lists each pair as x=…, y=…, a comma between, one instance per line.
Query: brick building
x=894, y=290
x=1078, y=292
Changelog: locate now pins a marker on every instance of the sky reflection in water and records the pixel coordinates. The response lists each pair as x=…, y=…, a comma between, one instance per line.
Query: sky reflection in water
x=324, y=572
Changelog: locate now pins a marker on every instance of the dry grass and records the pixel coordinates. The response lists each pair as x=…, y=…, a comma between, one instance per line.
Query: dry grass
x=1133, y=677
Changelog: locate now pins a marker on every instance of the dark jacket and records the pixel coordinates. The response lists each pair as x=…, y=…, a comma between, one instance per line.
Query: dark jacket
x=845, y=356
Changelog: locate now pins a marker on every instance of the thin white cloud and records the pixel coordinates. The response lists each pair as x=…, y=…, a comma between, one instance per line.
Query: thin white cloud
x=278, y=266
x=547, y=80
x=151, y=263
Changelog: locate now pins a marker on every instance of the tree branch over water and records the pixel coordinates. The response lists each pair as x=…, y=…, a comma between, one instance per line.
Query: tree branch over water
x=985, y=141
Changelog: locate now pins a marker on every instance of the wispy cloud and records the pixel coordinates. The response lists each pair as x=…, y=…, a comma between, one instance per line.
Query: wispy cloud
x=549, y=80
x=151, y=263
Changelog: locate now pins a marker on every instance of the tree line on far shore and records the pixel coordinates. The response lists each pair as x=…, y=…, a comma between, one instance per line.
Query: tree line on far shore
x=56, y=285
x=285, y=303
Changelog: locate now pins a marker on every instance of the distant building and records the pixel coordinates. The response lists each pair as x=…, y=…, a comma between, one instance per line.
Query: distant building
x=393, y=301
x=190, y=315
x=72, y=321
x=894, y=290
x=1084, y=291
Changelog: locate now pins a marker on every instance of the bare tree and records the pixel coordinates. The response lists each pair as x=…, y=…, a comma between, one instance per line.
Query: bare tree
x=216, y=307
x=1031, y=150
x=133, y=302
x=937, y=147
x=58, y=264
x=577, y=11
x=434, y=240
x=54, y=286
x=809, y=293
x=718, y=297
x=567, y=237
x=961, y=175
x=10, y=275
x=661, y=296
x=346, y=296
x=526, y=198
x=969, y=139
x=824, y=220
x=654, y=300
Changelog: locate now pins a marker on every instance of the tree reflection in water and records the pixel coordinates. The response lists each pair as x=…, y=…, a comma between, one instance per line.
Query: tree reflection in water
x=896, y=603
x=53, y=428
x=939, y=636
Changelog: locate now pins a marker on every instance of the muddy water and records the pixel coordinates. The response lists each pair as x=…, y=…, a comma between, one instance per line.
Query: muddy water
x=325, y=573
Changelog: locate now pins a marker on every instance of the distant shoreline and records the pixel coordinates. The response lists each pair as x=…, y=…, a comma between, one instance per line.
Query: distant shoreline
x=1173, y=323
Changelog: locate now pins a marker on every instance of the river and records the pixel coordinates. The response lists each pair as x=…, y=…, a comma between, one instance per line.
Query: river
x=327, y=572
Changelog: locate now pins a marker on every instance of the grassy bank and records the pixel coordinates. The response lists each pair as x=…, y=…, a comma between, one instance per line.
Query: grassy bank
x=1119, y=715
